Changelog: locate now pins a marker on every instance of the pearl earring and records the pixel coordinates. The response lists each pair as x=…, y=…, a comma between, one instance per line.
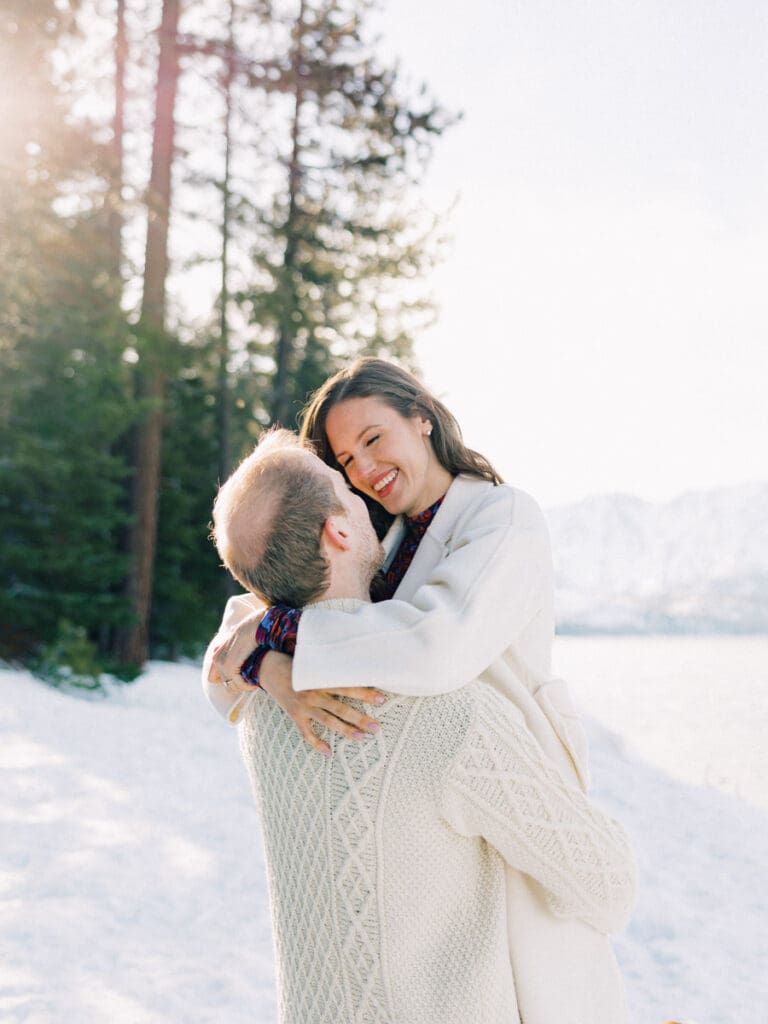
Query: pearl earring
x=428, y=431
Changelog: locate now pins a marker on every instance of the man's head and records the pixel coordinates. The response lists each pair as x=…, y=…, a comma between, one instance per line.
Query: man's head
x=288, y=528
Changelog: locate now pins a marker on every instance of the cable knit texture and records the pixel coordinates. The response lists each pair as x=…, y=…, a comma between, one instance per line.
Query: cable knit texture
x=502, y=788
x=385, y=864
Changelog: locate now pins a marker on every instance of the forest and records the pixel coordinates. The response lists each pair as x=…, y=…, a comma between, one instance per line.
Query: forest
x=206, y=207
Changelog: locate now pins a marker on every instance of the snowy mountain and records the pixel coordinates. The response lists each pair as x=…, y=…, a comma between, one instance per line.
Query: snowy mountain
x=697, y=564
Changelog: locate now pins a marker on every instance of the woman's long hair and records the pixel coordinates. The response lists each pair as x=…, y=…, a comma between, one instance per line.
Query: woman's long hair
x=401, y=391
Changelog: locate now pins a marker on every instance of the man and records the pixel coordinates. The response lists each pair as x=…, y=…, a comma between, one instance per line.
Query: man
x=386, y=861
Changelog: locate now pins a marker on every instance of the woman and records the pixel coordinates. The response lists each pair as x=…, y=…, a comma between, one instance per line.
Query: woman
x=468, y=567
x=468, y=592
x=474, y=597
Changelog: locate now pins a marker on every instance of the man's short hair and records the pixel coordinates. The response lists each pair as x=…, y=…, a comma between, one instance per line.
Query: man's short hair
x=268, y=521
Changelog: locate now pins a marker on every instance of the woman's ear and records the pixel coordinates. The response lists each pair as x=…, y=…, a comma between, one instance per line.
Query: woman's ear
x=336, y=533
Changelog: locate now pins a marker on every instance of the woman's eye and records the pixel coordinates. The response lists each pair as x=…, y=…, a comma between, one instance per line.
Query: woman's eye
x=372, y=439
x=346, y=462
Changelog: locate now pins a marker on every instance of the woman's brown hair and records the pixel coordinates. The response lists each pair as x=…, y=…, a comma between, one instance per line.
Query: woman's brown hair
x=401, y=391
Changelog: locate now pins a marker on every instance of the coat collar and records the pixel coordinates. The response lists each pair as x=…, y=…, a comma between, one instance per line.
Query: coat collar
x=462, y=493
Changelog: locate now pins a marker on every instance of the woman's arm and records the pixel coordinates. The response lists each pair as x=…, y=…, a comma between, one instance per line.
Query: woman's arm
x=225, y=654
x=494, y=580
x=234, y=640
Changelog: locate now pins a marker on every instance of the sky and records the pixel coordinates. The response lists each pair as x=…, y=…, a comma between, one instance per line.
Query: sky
x=603, y=306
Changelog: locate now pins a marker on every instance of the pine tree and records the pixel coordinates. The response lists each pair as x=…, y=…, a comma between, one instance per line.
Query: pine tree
x=62, y=379
x=189, y=583
x=311, y=241
x=151, y=371
x=340, y=235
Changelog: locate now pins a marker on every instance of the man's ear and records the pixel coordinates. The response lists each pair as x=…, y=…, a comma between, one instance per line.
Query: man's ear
x=336, y=532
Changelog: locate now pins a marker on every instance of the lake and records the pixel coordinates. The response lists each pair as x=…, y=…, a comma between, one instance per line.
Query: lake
x=695, y=707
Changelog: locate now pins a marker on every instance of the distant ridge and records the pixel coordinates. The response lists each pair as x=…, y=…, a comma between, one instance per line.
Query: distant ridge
x=696, y=564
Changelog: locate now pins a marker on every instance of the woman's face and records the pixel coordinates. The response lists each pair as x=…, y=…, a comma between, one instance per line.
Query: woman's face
x=386, y=455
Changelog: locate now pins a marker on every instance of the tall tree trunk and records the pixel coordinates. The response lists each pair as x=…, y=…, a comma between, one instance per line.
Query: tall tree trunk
x=133, y=646
x=106, y=633
x=118, y=126
x=281, y=399
x=224, y=409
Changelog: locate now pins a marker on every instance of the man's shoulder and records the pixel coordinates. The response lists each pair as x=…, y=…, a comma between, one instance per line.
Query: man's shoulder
x=479, y=701
x=451, y=716
x=452, y=730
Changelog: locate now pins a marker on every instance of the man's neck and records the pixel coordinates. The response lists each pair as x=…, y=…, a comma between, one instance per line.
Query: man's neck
x=344, y=586
x=338, y=604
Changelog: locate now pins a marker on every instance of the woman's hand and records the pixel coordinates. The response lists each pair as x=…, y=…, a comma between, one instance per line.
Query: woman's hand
x=230, y=653
x=321, y=706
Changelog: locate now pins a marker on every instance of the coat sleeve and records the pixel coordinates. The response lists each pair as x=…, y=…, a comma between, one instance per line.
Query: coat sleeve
x=479, y=598
x=503, y=787
x=234, y=640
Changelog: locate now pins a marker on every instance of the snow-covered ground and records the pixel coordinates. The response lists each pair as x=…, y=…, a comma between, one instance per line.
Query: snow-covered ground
x=131, y=873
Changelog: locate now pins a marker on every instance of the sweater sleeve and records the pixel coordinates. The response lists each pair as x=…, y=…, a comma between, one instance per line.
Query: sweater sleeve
x=502, y=786
x=225, y=654
x=483, y=593
x=276, y=632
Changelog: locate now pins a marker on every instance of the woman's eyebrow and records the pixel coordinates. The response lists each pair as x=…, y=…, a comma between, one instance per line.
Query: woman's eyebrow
x=371, y=426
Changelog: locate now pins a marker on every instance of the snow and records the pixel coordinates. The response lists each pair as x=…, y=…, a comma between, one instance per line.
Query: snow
x=680, y=757
x=131, y=869
x=132, y=875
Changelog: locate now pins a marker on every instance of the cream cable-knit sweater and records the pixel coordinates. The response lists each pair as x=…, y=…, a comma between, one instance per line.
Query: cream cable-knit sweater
x=385, y=862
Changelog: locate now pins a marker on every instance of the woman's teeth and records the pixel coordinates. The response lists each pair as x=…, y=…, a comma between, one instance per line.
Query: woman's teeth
x=385, y=481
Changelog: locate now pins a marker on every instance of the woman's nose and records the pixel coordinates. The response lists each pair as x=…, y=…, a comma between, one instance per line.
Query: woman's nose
x=364, y=464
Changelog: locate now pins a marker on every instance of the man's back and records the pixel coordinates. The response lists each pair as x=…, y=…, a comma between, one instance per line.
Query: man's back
x=388, y=903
